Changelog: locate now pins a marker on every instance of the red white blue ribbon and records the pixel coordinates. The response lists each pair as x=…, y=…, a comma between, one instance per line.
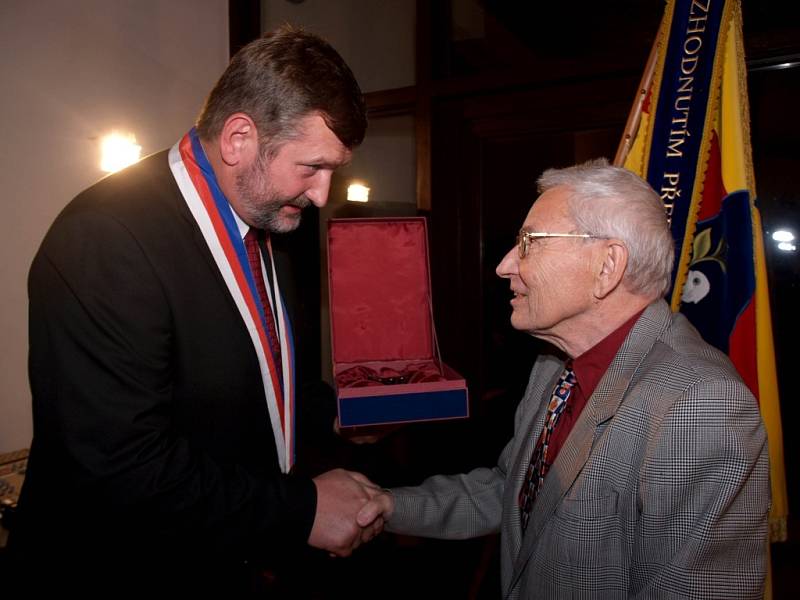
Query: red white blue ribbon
x=215, y=217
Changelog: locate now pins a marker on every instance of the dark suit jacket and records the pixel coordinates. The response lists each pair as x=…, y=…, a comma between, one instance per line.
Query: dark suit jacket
x=661, y=489
x=153, y=455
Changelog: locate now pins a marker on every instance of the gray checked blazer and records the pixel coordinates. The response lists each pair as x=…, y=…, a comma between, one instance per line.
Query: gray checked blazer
x=660, y=491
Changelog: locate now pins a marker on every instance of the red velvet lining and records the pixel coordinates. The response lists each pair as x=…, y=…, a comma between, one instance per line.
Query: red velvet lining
x=364, y=376
x=379, y=290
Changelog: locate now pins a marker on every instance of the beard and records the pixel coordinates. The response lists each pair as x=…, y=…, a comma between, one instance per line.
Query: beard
x=262, y=203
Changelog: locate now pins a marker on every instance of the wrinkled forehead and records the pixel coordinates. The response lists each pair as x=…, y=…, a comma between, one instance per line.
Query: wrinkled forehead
x=550, y=212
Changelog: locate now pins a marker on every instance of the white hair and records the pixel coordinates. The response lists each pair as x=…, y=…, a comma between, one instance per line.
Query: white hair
x=613, y=202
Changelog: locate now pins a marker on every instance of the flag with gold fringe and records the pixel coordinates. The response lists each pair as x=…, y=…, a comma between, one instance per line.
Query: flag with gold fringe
x=688, y=136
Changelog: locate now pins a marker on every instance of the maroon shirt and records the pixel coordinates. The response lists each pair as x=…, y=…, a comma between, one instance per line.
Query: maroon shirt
x=589, y=369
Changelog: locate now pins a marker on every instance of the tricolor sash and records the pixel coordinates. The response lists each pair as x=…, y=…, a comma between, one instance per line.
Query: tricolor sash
x=216, y=220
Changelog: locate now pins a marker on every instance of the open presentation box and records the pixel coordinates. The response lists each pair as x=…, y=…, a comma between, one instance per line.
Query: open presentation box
x=386, y=361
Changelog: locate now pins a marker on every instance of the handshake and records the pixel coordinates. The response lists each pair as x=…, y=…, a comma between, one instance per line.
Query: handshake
x=351, y=510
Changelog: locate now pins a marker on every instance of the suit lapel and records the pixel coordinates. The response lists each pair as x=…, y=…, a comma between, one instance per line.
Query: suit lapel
x=600, y=408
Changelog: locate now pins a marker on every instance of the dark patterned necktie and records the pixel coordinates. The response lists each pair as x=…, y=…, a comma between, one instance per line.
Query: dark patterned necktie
x=539, y=464
x=254, y=258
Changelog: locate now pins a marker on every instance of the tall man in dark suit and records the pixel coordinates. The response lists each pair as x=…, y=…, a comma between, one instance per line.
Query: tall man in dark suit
x=638, y=466
x=161, y=350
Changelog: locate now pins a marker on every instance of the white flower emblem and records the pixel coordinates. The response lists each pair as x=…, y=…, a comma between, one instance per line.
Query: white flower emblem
x=696, y=287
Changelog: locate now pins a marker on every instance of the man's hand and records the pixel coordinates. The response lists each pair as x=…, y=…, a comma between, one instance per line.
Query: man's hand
x=380, y=507
x=340, y=496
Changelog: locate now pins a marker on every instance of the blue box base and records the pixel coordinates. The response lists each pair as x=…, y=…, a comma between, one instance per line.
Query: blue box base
x=422, y=406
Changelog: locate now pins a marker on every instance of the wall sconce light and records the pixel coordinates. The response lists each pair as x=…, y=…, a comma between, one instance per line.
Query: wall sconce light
x=118, y=150
x=785, y=239
x=357, y=192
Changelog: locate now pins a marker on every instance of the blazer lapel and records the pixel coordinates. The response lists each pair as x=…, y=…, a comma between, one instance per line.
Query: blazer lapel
x=601, y=407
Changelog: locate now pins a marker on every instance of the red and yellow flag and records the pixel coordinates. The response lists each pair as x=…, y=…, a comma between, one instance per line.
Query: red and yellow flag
x=689, y=137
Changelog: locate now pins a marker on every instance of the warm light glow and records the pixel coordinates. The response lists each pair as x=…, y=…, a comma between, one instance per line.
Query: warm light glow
x=783, y=235
x=118, y=150
x=357, y=192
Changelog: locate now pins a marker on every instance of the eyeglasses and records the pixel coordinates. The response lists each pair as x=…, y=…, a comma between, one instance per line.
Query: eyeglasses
x=524, y=238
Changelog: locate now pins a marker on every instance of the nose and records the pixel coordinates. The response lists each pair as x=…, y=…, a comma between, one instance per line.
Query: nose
x=320, y=188
x=509, y=265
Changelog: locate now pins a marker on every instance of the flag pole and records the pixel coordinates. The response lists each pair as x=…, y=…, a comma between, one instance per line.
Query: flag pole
x=635, y=116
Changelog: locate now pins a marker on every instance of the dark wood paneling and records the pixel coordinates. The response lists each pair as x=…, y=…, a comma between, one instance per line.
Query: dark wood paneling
x=244, y=23
x=488, y=151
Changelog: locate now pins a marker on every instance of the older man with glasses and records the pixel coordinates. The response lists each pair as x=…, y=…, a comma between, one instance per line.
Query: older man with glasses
x=638, y=465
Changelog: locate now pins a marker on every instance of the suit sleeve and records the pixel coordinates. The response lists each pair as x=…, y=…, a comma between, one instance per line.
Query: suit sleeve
x=704, y=499
x=100, y=363
x=460, y=506
x=471, y=504
x=450, y=506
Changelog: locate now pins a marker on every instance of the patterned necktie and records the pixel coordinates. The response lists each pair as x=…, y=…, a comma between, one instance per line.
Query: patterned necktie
x=539, y=465
x=254, y=258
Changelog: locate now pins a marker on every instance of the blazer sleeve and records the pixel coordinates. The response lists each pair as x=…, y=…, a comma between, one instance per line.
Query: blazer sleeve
x=704, y=498
x=460, y=506
x=100, y=364
x=470, y=504
x=450, y=506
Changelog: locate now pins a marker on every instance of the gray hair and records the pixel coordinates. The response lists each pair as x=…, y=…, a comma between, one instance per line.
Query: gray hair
x=613, y=202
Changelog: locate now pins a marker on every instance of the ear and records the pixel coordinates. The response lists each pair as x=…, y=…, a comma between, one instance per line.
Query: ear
x=612, y=268
x=238, y=139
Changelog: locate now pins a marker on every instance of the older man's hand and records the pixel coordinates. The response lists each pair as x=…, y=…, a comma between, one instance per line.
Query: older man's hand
x=380, y=507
